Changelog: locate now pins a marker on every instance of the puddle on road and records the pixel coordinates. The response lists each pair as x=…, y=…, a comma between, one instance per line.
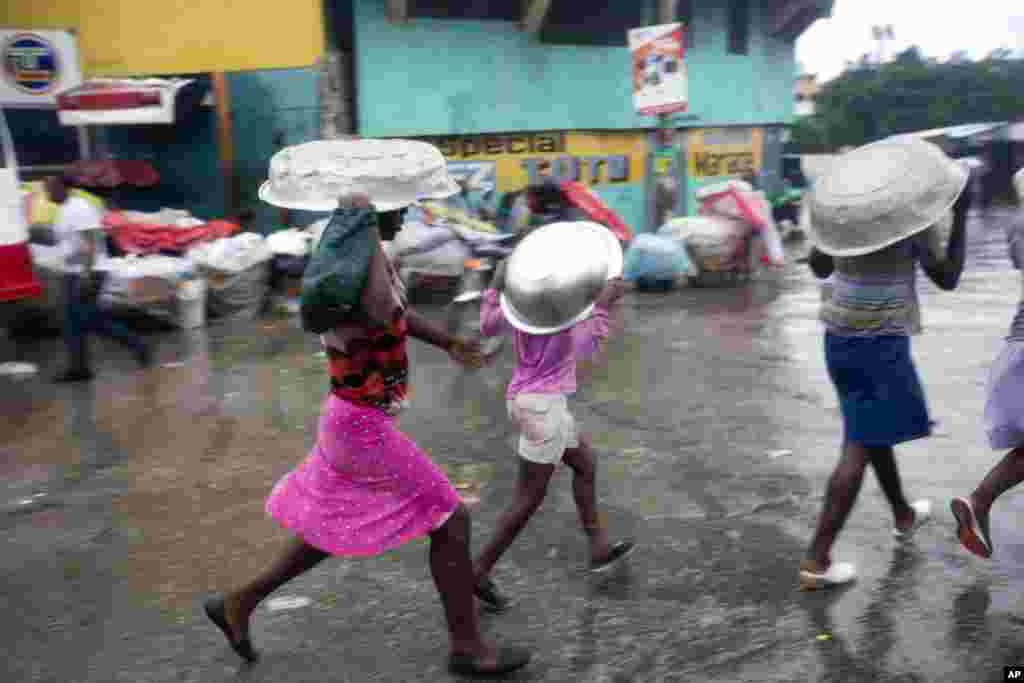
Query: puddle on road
x=196, y=481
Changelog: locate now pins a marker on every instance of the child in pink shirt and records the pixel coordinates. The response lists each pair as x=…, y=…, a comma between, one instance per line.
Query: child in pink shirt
x=544, y=377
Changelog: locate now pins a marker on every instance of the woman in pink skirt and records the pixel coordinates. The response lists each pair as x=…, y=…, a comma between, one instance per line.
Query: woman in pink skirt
x=366, y=488
x=1004, y=424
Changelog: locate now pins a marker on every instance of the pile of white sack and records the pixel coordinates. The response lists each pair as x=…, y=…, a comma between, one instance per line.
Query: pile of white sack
x=733, y=236
x=291, y=242
x=231, y=254
x=146, y=283
x=237, y=272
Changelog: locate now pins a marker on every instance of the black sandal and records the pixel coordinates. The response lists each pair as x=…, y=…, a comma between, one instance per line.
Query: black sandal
x=214, y=609
x=490, y=596
x=509, y=659
x=618, y=552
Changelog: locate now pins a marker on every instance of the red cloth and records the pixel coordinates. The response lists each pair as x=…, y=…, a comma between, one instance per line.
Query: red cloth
x=747, y=211
x=148, y=238
x=16, y=278
x=589, y=203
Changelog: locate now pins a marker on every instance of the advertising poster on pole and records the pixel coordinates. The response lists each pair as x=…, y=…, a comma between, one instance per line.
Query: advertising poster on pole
x=659, y=72
x=35, y=66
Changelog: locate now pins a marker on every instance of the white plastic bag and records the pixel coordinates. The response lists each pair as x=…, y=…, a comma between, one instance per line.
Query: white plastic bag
x=291, y=242
x=417, y=238
x=447, y=259
x=232, y=254
x=715, y=244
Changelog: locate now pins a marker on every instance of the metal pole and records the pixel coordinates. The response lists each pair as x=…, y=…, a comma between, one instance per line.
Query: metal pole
x=666, y=15
x=84, y=143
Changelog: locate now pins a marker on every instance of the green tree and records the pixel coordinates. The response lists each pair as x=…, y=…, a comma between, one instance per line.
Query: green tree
x=870, y=101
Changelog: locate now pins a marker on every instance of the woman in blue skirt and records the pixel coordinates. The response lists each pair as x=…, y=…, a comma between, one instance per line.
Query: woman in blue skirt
x=869, y=316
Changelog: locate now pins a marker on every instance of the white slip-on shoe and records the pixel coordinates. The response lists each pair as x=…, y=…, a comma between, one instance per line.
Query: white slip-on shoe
x=922, y=514
x=838, y=574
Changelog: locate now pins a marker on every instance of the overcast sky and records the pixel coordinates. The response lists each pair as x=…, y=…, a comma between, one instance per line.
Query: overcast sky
x=939, y=29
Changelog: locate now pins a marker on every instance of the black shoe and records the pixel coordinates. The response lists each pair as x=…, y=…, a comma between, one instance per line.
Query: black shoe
x=509, y=659
x=489, y=595
x=243, y=647
x=74, y=376
x=145, y=356
x=618, y=552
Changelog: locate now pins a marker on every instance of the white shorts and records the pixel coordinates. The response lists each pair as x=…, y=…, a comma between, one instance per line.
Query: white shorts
x=546, y=426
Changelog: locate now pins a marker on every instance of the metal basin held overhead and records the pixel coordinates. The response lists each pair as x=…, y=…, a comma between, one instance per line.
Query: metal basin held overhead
x=556, y=273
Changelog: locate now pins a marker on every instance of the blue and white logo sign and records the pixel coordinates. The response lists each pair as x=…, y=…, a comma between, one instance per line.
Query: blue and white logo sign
x=35, y=66
x=31, y=63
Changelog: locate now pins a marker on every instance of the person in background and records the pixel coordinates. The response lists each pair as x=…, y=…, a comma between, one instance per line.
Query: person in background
x=1004, y=420
x=506, y=217
x=83, y=246
x=869, y=316
x=366, y=488
x=544, y=377
x=548, y=204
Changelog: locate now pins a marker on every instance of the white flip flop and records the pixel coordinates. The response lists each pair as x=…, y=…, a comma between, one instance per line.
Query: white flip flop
x=838, y=574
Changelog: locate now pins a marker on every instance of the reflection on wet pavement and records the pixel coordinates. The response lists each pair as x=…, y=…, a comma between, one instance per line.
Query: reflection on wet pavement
x=125, y=502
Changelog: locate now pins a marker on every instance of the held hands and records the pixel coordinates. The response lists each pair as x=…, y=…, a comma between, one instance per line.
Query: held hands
x=466, y=352
x=612, y=293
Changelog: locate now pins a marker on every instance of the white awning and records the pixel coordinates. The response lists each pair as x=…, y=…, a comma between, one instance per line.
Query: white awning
x=107, y=101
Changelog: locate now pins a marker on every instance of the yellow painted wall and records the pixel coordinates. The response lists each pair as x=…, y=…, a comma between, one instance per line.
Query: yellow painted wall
x=509, y=151
x=158, y=37
x=723, y=152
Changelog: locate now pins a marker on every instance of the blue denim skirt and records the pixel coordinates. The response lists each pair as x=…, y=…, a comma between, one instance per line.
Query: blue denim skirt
x=880, y=394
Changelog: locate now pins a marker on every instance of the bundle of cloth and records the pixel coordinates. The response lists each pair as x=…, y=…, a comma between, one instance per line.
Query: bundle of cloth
x=738, y=201
x=166, y=231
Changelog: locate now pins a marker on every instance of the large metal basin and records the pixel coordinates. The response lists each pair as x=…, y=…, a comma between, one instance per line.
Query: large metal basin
x=556, y=273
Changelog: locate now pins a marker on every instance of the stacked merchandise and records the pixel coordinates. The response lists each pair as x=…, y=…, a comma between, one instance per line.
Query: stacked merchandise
x=291, y=249
x=166, y=231
x=146, y=284
x=237, y=273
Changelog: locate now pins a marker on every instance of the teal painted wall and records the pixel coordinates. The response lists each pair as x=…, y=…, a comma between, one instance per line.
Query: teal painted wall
x=185, y=156
x=628, y=201
x=440, y=77
x=263, y=103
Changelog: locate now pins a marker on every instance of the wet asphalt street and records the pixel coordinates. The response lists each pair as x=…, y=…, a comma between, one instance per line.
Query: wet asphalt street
x=125, y=502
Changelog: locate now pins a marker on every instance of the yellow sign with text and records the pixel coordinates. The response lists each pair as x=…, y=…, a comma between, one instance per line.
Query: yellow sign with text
x=123, y=38
x=721, y=152
x=509, y=162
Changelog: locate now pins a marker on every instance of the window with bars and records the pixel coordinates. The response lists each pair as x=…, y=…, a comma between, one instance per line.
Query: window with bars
x=739, y=27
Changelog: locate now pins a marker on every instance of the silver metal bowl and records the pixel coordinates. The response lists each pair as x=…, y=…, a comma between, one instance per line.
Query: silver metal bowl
x=555, y=275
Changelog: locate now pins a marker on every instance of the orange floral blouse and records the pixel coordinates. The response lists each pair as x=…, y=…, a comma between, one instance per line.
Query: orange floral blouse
x=368, y=364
